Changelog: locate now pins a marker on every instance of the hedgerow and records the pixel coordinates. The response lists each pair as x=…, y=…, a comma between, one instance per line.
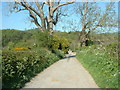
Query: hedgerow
x=18, y=67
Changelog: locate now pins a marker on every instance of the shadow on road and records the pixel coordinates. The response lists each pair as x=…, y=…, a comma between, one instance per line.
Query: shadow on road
x=67, y=57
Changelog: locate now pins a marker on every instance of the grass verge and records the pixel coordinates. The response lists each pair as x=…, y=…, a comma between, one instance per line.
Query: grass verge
x=102, y=63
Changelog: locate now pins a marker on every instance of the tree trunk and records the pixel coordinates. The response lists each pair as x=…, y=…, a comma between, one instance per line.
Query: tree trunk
x=50, y=18
x=43, y=23
x=82, y=38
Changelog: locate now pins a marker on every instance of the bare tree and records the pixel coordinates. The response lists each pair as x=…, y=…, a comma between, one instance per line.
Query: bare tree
x=43, y=14
x=92, y=18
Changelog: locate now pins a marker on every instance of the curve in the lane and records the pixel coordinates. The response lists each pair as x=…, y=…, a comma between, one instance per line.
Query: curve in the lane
x=66, y=73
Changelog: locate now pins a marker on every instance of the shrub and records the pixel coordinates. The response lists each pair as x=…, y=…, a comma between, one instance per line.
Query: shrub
x=112, y=49
x=42, y=39
x=58, y=43
x=59, y=53
x=18, y=67
x=17, y=49
x=90, y=42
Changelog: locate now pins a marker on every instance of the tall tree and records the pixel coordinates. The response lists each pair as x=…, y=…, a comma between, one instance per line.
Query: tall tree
x=92, y=18
x=44, y=14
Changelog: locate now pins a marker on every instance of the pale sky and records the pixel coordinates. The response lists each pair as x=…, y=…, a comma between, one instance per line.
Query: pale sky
x=20, y=21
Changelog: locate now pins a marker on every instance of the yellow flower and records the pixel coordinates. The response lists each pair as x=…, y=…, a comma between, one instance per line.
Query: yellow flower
x=20, y=49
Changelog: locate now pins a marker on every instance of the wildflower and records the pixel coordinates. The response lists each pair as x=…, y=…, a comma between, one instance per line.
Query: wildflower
x=98, y=48
x=97, y=53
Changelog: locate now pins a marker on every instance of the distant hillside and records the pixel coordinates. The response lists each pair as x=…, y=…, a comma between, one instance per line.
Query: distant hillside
x=29, y=37
x=14, y=36
x=105, y=37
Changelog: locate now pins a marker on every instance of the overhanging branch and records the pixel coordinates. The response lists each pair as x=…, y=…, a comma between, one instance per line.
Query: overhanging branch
x=62, y=5
x=21, y=9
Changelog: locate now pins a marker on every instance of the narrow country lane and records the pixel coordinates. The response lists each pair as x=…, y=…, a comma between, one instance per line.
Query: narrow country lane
x=66, y=73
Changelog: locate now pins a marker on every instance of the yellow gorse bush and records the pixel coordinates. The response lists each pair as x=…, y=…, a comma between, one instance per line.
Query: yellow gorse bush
x=17, y=49
x=60, y=43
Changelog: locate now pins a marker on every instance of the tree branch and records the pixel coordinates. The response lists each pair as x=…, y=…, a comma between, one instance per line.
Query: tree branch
x=59, y=2
x=62, y=5
x=39, y=7
x=28, y=6
x=56, y=18
x=42, y=5
x=17, y=2
x=21, y=9
x=47, y=3
x=32, y=15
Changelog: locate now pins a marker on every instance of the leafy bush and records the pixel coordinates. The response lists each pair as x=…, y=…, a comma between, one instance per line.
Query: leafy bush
x=58, y=43
x=102, y=62
x=42, y=39
x=90, y=42
x=18, y=67
x=72, y=37
x=59, y=53
x=112, y=49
